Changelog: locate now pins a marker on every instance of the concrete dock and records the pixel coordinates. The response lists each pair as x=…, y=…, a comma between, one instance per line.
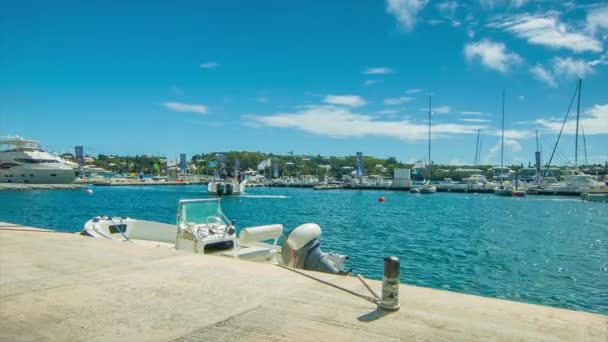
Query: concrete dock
x=58, y=286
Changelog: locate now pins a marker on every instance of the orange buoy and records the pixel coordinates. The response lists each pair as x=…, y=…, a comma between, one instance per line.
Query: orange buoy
x=381, y=199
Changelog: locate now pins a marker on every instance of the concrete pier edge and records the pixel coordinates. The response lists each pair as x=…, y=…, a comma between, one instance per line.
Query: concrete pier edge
x=70, y=287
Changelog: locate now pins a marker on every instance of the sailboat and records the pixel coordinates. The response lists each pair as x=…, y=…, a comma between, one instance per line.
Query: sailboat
x=427, y=188
x=578, y=182
x=503, y=190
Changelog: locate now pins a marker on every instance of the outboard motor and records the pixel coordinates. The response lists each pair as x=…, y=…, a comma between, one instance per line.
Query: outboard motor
x=219, y=188
x=301, y=249
x=229, y=188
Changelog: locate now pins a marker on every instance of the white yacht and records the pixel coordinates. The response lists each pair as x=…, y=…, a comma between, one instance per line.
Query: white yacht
x=25, y=161
x=578, y=182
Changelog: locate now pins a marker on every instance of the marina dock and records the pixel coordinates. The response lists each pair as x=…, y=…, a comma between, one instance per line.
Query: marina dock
x=140, y=183
x=60, y=286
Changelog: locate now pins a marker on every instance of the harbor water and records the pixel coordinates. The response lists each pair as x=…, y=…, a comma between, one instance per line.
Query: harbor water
x=544, y=250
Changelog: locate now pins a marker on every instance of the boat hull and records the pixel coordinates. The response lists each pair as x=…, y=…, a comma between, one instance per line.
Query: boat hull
x=428, y=190
x=38, y=175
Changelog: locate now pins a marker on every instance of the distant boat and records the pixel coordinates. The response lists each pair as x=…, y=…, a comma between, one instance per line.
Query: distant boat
x=427, y=188
x=503, y=190
x=225, y=187
x=25, y=161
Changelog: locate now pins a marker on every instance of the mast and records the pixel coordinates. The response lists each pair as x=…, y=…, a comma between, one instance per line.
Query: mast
x=477, y=148
x=502, y=141
x=578, y=108
x=584, y=145
x=479, y=155
x=429, y=138
x=537, y=160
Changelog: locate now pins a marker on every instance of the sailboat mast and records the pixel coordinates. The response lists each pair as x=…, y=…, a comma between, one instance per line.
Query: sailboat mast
x=479, y=155
x=429, y=178
x=584, y=145
x=578, y=108
x=477, y=148
x=502, y=141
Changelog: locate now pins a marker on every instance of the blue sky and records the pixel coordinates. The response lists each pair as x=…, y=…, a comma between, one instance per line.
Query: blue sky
x=321, y=77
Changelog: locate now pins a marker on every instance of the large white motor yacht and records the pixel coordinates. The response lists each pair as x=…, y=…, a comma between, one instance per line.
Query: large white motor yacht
x=25, y=161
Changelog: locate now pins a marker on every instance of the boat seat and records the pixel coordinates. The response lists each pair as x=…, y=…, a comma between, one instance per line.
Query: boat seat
x=251, y=247
x=258, y=251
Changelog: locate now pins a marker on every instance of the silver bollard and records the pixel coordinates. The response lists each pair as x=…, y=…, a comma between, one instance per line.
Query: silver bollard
x=390, y=284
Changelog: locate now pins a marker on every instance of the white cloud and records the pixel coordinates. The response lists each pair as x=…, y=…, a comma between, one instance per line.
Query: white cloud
x=492, y=55
x=510, y=144
x=397, y=100
x=597, y=18
x=440, y=110
x=448, y=7
x=184, y=107
x=543, y=75
x=262, y=99
x=566, y=68
x=474, y=120
x=368, y=83
x=377, y=71
x=521, y=98
x=518, y=3
x=388, y=112
x=594, y=119
x=512, y=133
x=340, y=122
x=405, y=11
x=471, y=113
x=209, y=65
x=548, y=31
x=571, y=68
x=345, y=100
x=413, y=91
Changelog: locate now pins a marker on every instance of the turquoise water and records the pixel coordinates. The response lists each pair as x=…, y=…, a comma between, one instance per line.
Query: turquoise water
x=547, y=250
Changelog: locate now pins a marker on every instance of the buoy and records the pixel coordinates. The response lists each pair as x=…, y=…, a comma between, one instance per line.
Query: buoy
x=381, y=199
x=88, y=191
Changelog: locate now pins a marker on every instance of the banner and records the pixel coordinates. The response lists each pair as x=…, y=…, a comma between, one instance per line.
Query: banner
x=359, y=164
x=182, y=163
x=212, y=163
x=276, y=170
x=221, y=159
x=237, y=164
x=79, y=155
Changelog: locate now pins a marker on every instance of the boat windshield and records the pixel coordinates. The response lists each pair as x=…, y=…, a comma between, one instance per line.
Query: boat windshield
x=199, y=211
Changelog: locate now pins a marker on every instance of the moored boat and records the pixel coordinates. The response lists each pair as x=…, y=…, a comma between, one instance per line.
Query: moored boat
x=202, y=228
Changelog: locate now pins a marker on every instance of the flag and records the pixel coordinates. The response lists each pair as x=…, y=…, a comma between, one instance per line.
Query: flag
x=237, y=164
x=212, y=163
x=182, y=163
x=264, y=164
x=276, y=170
x=359, y=164
x=79, y=155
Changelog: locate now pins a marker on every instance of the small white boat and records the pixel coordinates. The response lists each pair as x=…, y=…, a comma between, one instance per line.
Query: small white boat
x=225, y=187
x=503, y=191
x=202, y=228
x=428, y=189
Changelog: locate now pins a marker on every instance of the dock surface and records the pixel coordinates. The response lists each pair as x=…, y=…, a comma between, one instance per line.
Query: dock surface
x=59, y=286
